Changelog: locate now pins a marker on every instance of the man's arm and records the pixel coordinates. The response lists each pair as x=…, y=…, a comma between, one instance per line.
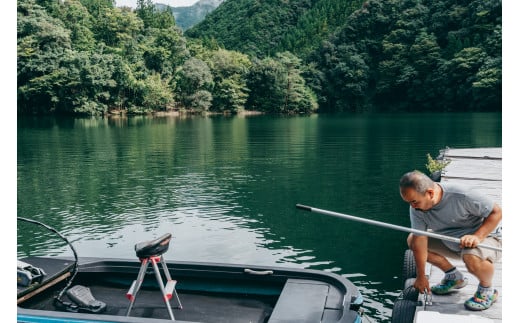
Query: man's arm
x=488, y=225
x=419, y=246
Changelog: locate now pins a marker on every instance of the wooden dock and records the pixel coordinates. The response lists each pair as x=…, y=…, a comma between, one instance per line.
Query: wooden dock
x=481, y=168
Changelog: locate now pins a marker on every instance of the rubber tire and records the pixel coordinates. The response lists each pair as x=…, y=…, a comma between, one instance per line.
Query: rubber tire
x=409, y=267
x=409, y=292
x=403, y=311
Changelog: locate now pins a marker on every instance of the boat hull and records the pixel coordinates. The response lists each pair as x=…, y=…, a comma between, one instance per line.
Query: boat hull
x=209, y=292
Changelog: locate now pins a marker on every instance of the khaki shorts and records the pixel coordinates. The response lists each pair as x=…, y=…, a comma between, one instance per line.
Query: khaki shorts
x=437, y=246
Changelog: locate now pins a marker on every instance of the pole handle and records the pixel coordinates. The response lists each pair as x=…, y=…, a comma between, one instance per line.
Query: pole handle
x=304, y=207
x=390, y=226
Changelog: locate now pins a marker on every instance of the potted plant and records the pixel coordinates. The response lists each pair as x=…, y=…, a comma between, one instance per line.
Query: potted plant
x=435, y=167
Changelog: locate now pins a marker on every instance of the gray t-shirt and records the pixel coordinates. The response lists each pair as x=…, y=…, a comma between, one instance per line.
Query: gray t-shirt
x=461, y=211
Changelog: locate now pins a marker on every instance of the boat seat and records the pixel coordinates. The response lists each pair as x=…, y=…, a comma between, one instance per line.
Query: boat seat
x=152, y=248
x=152, y=252
x=301, y=301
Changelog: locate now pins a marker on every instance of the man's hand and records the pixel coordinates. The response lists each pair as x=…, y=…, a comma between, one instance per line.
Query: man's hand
x=421, y=284
x=469, y=241
x=488, y=225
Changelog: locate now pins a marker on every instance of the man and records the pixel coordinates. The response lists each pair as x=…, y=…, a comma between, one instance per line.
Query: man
x=459, y=212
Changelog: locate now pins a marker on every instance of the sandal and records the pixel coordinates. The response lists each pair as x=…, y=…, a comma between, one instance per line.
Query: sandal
x=448, y=285
x=481, y=302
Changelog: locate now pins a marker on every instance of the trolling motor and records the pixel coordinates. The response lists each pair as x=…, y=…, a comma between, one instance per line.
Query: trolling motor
x=81, y=296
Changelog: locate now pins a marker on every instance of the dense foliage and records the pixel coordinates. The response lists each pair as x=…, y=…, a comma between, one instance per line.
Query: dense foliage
x=89, y=57
x=263, y=28
x=392, y=55
x=295, y=56
x=414, y=55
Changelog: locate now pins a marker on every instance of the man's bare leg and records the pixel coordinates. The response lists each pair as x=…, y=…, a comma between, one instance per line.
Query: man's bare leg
x=480, y=268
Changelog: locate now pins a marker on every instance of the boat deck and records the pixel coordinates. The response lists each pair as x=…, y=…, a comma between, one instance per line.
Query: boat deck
x=197, y=307
x=481, y=168
x=212, y=306
x=216, y=293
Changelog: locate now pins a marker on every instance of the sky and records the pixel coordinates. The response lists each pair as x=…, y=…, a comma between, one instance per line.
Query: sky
x=172, y=3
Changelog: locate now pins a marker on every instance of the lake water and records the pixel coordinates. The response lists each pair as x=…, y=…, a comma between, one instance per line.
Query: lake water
x=226, y=188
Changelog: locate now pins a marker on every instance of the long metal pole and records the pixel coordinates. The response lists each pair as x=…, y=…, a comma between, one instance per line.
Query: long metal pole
x=388, y=225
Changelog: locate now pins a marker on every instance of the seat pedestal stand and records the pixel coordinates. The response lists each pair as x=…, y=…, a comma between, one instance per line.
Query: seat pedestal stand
x=167, y=290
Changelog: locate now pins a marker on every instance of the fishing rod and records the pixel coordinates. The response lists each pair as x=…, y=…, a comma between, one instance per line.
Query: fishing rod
x=390, y=226
x=81, y=296
x=58, y=299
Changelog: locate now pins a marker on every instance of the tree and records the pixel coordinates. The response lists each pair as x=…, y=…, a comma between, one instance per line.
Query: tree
x=462, y=71
x=43, y=42
x=424, y=91
x=155, y=94
x=266, y=85
x=145, y=10
x=115, y=27
x=229, y=69
x=79, y=21
x=298, y=97
x=166, y=51
x=193, y=84
x=153, y=17
x=344, y=82
x=277, y=86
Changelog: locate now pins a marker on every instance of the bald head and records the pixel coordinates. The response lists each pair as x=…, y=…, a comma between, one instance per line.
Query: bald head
x=419, y=191
x=417, y=181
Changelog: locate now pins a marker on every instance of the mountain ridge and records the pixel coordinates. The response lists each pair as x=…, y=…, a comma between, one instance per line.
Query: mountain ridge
x=188, y=16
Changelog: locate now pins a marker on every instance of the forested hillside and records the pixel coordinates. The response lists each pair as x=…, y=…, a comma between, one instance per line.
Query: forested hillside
x=392, y=55
x=88, y=57
x=263, y=28
x=295, y=56
x=414, y=55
